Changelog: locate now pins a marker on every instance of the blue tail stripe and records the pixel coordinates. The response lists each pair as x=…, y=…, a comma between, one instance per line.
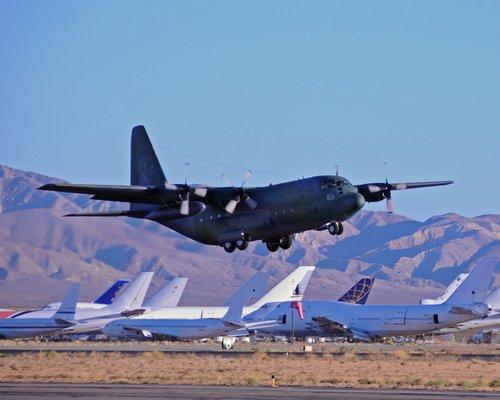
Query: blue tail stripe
x=109, y=295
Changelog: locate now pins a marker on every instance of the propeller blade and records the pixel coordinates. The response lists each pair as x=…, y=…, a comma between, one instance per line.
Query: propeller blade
x=201, y=192
x=185, y=207
x=231, y=206
x=227, y=180
x=185, y=204
x=248, y=175
x=250, y=202
x=390, y=205
x=186, y=170
x=169, y=186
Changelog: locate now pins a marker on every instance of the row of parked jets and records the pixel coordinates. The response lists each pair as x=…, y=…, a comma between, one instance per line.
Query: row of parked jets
x=122, y=312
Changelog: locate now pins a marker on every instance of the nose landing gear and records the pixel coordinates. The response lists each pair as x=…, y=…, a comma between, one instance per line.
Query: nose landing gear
x=336, y=228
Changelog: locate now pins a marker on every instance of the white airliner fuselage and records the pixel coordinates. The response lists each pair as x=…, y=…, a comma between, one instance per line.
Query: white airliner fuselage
x=371, y=321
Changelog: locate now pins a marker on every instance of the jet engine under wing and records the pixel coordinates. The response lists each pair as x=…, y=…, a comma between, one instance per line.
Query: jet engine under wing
x=329, y=326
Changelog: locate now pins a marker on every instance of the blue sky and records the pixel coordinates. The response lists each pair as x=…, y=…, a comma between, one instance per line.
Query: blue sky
x=288, y=87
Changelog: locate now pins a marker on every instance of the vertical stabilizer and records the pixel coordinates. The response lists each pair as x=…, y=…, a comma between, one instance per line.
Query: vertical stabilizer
x=448, y=292
x=169, y=295
x=145, y=169
x=67, y=309
x=291, y=288
x=109, y=295
x=475, y=287
x=238, y=300
x=133, y=296
x=358, y=294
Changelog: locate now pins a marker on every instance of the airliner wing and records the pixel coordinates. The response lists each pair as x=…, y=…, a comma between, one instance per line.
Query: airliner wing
x=330, y=326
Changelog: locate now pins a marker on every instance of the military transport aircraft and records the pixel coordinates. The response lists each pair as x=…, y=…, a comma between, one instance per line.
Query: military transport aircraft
x=232, y=216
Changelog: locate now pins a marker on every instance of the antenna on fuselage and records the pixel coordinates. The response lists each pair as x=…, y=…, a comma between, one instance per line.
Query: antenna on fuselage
x=337, y=169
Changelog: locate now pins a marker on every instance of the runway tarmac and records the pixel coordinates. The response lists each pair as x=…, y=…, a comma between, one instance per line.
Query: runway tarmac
x=24, y=391
x=464, y=352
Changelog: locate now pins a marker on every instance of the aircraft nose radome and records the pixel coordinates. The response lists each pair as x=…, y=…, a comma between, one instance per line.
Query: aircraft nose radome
x=353, y=202
x=360, y=201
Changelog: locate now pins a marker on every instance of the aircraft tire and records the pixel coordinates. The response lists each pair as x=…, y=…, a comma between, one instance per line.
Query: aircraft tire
x=242, y=244
x=333, y=228
x=340, y=228
x=229, y=247
x=286, y=242
x=272, y=247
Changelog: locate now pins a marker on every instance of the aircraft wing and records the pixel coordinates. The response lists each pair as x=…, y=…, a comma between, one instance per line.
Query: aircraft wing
x=330, y=326
x=128, y=194
x=380, y=190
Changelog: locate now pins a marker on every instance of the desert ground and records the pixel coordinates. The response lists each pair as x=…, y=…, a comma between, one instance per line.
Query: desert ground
x=417, y=366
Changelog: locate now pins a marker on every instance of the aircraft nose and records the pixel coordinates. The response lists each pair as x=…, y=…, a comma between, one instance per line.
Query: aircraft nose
x=359, y=201
x=352, y=202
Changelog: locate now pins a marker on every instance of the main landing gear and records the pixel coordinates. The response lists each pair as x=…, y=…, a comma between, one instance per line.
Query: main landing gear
x=336, y=228
x=285, y=242
x=241, y=244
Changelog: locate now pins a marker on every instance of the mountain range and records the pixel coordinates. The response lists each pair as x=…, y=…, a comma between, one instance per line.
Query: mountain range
x=41, y=252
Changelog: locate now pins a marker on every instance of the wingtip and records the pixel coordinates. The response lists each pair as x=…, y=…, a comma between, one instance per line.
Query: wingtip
x=47, y=186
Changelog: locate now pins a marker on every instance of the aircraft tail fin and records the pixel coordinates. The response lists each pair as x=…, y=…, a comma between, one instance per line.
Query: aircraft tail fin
x=448, y=292
x=493, y=300
x=238, y=300
x=145, y=169
x=169, y=295
x=291, y=288
x=358, y=294
x=133, y=296
x=66, y=311
x=109, y=295
x=474, y=288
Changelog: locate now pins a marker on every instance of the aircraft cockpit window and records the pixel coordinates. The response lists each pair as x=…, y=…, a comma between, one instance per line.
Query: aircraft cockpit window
x=328, y=184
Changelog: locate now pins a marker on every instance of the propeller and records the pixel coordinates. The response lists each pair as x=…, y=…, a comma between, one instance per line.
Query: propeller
x=185, y=190
x=240, y=194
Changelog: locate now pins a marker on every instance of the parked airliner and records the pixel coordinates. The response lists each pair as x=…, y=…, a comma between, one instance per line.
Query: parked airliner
x=370, y=322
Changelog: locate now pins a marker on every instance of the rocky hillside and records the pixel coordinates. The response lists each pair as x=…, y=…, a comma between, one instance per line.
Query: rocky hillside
x=41, y=252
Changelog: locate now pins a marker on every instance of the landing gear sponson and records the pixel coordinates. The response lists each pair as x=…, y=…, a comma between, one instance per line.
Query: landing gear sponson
x=284, y=242
x=273, y=244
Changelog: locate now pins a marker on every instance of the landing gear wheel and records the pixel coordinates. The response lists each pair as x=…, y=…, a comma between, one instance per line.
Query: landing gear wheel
x=333, y=228
x=242, y=244
x=228, y=343
x=286, y=242
x=229, y=246
x=272, y=247
x=340, y=229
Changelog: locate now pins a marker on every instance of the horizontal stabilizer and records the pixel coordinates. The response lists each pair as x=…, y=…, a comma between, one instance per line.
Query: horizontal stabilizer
x=121, y=213
x=127, y=194
x=100, y=190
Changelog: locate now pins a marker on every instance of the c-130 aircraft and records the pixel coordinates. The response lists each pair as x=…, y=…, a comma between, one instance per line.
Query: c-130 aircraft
x=233, y=216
